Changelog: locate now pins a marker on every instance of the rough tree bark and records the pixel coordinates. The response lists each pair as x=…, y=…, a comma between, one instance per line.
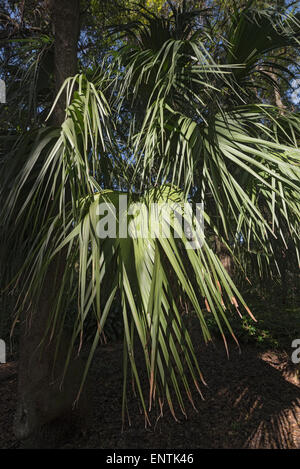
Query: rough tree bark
x=40, y=400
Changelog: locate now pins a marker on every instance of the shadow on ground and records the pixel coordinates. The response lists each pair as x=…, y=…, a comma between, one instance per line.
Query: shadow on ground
x=250, y=402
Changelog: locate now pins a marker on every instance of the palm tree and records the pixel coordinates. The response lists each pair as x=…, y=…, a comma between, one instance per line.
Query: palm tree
x=177, y=114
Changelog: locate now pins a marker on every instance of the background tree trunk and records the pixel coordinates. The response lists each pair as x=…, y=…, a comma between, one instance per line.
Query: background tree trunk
x=224, y=256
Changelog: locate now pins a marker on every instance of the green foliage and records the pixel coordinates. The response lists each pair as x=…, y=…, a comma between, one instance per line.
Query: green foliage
x=275, y=329
x=277, y=321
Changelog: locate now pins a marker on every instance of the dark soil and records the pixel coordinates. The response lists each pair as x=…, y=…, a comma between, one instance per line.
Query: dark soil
x=252, y=401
